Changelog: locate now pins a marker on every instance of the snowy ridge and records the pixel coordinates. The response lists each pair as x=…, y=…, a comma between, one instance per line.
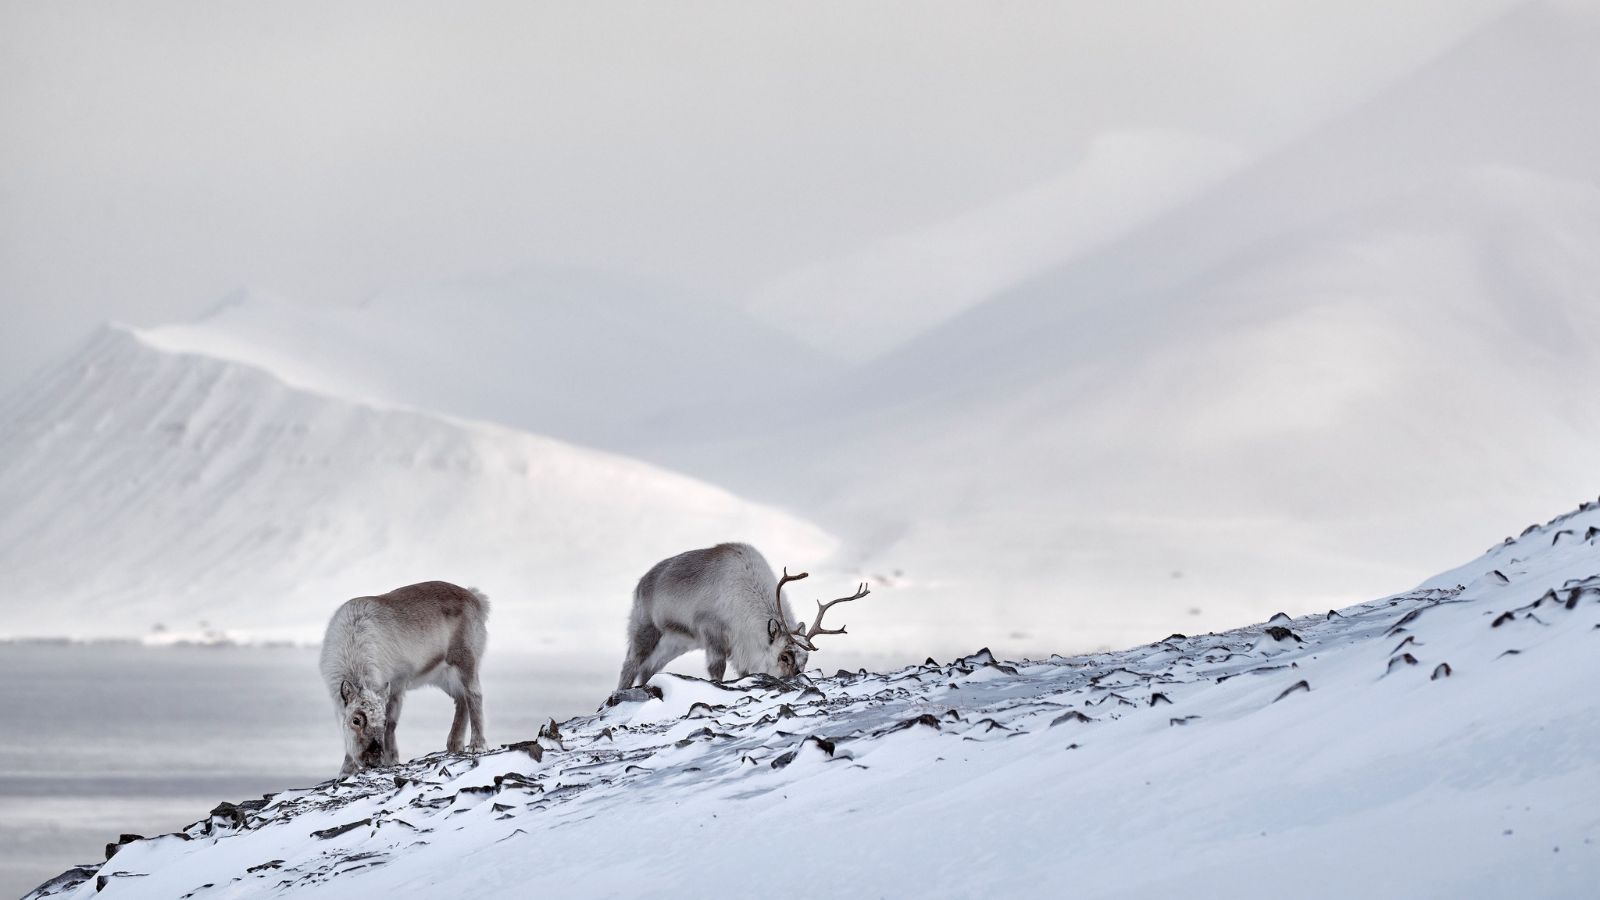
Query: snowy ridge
x=186, y=488
x=1439, y=741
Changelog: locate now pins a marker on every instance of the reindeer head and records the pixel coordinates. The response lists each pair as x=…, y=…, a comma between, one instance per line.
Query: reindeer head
x=793, y=648
x=364, y=723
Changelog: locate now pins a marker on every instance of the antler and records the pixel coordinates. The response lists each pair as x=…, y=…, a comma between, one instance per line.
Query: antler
x=822, y=609
x=777, y=595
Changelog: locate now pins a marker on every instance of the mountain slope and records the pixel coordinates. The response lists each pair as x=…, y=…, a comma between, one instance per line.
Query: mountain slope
x=581, y=356
x=1437, y=742
x=143, y=486
x=1340, y=365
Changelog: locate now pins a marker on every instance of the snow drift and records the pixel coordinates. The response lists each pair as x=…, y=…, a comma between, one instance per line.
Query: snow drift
x=1437, y=742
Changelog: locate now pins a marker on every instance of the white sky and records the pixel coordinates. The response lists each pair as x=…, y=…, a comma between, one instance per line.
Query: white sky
x=154, y=156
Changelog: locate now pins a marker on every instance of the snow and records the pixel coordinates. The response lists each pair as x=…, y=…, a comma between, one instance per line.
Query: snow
x=1334, y=370
x=188, y=489
x=1173, y=388
x=876, y=297
x=583, y=356
x=1333, y=767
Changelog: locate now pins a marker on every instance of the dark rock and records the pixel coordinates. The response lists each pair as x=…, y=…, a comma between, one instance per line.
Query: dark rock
x=67, y=880
x=1070, y=715
x=822, y=743
x=1502, y=619
x=513, y=779
x=1442, y=670
x=981, y=658
x=1333, y=614
x=634, y=695
x=1404, y=659
x=1409, y=617
x=552, y=730
x=1181, y=720
x=337, y=830
x=1159, y=698
x=1279, y=633
x=1297, y=686
x=926, y=720
x=269, y=864
x=111, y=849
x=231, y=813
x=532, y=748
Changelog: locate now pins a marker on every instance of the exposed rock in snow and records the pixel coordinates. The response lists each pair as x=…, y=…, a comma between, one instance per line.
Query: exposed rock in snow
x=1463, y=771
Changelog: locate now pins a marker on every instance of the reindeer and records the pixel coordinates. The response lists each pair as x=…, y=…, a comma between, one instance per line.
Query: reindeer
x=723, y=600
x=377, y=648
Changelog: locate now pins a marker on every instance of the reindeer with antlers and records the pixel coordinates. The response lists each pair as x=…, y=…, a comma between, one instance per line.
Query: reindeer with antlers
x=723, y=600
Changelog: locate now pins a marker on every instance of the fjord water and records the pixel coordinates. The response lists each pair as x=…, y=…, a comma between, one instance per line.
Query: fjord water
x=102, y=739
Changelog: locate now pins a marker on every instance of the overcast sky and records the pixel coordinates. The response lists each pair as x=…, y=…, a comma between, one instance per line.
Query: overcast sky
x=157, y=155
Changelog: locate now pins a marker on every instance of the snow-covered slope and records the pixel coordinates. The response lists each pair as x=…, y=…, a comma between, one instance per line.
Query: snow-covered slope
x=1335, y=368
x=581, y=356
x=1342, y=364
x=880, y=295
x=145, y=486
x=1434, y=743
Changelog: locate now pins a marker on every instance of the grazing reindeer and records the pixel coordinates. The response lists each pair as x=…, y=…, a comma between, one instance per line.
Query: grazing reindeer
x=723, y=600
x=377, y=648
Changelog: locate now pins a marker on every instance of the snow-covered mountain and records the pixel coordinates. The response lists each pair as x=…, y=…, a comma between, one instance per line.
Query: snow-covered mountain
x=1299, y=383
x=876, y=297
x=147, y=486
x=583, y=356
x=1346, y=360
x=1438, y=742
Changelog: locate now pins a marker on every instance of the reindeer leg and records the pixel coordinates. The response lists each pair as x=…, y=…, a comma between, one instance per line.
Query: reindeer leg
x=458, y=726
x=669, y=648
x=717, y=647
x=642, y=642
x=391, y=749
x=475, y=715
x=349, y=767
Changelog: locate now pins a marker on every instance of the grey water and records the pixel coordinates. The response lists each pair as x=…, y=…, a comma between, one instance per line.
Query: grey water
x=101, y=740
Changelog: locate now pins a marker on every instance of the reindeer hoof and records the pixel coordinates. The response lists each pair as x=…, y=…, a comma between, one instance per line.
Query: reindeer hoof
x=477, y=746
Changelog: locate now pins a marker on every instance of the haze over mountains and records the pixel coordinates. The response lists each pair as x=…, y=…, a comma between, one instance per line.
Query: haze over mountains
x=1264, y=385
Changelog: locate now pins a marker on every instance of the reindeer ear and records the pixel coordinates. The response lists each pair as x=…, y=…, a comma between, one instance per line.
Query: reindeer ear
x=774, y=628
x=346, y=692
